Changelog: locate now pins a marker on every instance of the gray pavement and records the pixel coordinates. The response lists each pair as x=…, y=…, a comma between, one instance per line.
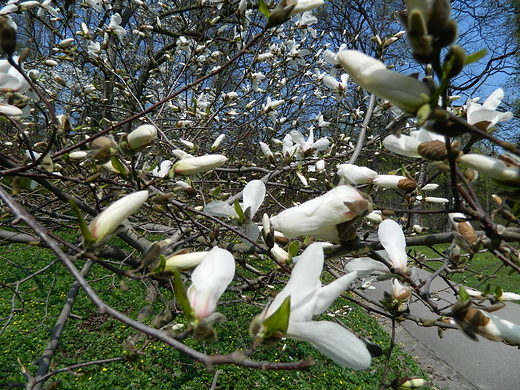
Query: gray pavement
x=455, y=361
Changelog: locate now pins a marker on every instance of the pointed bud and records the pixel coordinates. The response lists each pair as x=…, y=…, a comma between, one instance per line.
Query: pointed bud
x=109, y=220
x=184, y=262
x=194, y=165
x=141, y=137
x=7, y=35
x=433, y=150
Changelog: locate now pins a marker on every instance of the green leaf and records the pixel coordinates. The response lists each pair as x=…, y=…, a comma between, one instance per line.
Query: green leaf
x=498, y=292
x=279, y=320
x=239, y=211
x=463, y=294
x=182, y=298
x=471, y=58
x=82, y=224
x=160, y=268
x=262, y=7
x=487, y=290
x=293, y=249
x=118, y=166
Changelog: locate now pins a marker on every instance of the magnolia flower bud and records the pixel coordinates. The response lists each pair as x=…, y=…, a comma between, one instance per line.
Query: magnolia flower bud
x=101, y=142
x=394, y=181
x=405, y=383
x=141, y=137
x=217, y=142
x=399, y=291
x=7, y=36
x=434, y=199
x=456, y=59
x=184, y=262
x=405, y=92
x=267, y=152
x=492, y=167
x=433, y=150
x=109, y=220
x=9, y=110
x=463, y=227
x=193, y=165
x=78, y=155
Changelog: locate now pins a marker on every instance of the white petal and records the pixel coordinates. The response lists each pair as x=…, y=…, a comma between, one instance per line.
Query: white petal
x=494, y=100
x=334, y=341
x=328, y=294
x=254, y=194
x=219, y=208
x=502, y=328
x=305, y=278
x=492, y=167
x=404, y=145
x=365, y=266
x=392, y=238
x=209, y=281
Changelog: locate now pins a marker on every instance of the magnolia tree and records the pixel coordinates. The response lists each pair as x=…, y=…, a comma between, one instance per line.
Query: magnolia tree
x=219, y=135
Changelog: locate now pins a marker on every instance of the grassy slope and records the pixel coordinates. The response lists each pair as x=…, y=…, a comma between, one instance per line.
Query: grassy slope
x=94, y=336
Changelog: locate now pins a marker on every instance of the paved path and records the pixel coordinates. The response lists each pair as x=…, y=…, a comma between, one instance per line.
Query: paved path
x=455, y=361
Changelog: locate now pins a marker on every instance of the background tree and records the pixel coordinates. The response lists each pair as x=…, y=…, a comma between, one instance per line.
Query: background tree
x=117, y=98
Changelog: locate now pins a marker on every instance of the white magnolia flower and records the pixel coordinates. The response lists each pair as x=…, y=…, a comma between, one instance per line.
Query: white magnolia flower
x=392, y=238
x=320, y=216
x=162, y=169
x=285, y=9
x=253, y=196
x=321, y=121
x=485, y=115
x=271, y=104
x=494, y=168
x=354, y=174
x=338, y=86
x=10, y=79
x=308, y=298
x=93, y=48
x=115, y=21
x=114, y=215
x=509, y=296
x=193, y=165
x=305, y=5
x=78, y=155
x=184, y=262
x=375, y=216
x=405, y=92
x=209, y=281
x=289, y=148
x=309, y=146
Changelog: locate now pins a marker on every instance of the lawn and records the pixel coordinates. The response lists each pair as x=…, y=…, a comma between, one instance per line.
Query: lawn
x=484, y=269
x=90, y=335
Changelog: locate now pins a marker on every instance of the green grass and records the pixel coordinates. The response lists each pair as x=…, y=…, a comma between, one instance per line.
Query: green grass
x=484, y=269
x=90, y=335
